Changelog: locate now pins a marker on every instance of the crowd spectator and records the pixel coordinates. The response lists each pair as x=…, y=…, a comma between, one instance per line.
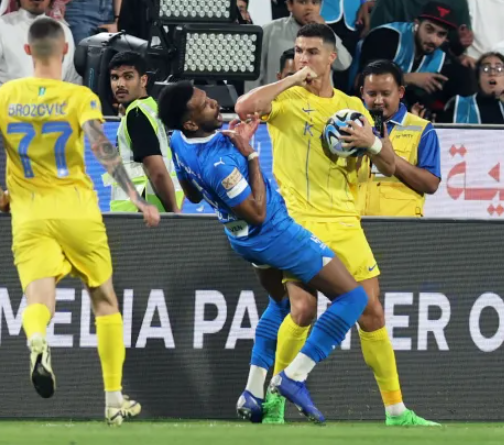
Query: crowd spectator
x=56, y=8
x=280, y=34
x=432, y=74
x=486, y=106
x=89, y=17
x=14, y=62
x=391, y=11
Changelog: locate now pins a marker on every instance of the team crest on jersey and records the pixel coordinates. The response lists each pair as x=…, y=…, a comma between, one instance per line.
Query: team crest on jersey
x=233, y=179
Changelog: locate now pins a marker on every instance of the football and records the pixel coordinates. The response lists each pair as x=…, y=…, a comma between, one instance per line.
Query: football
x=333, y=132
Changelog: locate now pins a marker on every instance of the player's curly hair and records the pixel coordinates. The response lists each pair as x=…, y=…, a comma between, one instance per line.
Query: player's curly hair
x=172, y=104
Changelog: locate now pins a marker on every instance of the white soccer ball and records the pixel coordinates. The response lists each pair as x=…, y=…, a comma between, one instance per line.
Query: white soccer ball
x=333, y=133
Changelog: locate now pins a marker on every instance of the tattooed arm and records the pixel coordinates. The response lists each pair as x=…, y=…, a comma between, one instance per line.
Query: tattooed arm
x=109, y=157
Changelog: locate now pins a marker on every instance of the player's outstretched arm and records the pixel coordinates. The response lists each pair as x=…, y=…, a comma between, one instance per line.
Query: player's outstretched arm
x=259, y=99
x=109, y=157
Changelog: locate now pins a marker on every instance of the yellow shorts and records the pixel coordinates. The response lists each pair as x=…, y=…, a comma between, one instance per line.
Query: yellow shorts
x=55, y=248
x=348, y=241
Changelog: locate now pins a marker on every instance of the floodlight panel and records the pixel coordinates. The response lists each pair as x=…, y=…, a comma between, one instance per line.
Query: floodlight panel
x=177, y=11
x=219, y=51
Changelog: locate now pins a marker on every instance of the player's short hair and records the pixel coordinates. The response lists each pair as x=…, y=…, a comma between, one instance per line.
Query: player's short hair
x=129, y=58
x=381, y=67
x=288, y=54
x=318, y=30
x=172, y=104
x=43, y=35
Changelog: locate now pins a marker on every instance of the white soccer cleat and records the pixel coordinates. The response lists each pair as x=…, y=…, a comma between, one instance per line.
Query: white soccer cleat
x=42, y=375
x=129, y=409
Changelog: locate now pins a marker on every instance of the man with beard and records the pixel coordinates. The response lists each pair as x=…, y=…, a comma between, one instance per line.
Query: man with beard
x=142, y=139
x=430, y=73
x=223, y=169
x=415, y=143
x=486, y=106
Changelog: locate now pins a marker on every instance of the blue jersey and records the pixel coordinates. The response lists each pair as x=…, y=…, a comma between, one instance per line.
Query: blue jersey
x=220, y=172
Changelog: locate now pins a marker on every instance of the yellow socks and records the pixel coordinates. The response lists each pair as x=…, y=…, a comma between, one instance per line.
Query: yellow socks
x=291, y=338
x=379, y=356
x=36, y=317
x=109, y=330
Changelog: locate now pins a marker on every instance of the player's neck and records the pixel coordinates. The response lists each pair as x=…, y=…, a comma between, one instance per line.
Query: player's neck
x=202, y=134
x=321, y=87
x=48, y=70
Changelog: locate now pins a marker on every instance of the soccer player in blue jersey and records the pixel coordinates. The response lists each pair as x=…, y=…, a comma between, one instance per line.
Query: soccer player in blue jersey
x=222, y=168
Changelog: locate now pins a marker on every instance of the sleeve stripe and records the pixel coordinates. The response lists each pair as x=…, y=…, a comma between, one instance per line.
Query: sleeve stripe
x=237, y=189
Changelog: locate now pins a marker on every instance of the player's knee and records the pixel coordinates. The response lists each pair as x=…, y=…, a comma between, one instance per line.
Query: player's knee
x=104, y=300
x=373, y=317
x=304, y=311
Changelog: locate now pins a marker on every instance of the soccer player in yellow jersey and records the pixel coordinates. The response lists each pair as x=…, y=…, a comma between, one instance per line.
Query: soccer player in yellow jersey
x=321, y=194
x=57, y=226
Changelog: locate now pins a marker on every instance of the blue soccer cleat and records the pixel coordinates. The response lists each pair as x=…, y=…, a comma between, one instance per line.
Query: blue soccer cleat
x=298, y=394
x=249, y=407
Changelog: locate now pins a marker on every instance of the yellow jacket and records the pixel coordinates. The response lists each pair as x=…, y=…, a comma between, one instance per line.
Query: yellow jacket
x=383, y=196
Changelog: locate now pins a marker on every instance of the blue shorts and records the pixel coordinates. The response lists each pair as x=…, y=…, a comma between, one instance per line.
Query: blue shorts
x=294, y=250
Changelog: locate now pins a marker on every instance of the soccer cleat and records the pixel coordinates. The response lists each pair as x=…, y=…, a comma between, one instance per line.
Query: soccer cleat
x=42, y=375
x=129, y=409
x=249, y=407
x=408, y=418
x=298, y=394
x=273, y=409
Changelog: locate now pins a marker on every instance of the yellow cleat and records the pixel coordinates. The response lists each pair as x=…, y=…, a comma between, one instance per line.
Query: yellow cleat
x=129, y=409
x=42, y=375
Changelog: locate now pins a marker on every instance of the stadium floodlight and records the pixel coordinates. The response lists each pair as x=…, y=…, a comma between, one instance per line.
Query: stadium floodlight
x=177, y=11
x=218, y=51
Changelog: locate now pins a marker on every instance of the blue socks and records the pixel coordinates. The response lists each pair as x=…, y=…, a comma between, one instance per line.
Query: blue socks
x=263, y=352
x=332, y=326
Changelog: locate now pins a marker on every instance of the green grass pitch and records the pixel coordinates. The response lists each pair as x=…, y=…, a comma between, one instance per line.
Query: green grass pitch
x=240, y=433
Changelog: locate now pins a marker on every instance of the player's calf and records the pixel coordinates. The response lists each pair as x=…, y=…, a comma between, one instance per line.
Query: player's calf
x=349, y=301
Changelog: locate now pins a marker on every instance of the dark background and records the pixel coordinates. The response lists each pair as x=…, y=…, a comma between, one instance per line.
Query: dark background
x=461, y=260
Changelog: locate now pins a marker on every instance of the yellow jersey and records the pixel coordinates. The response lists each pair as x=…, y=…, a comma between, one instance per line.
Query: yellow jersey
x=315, y=188
x=41, y=123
